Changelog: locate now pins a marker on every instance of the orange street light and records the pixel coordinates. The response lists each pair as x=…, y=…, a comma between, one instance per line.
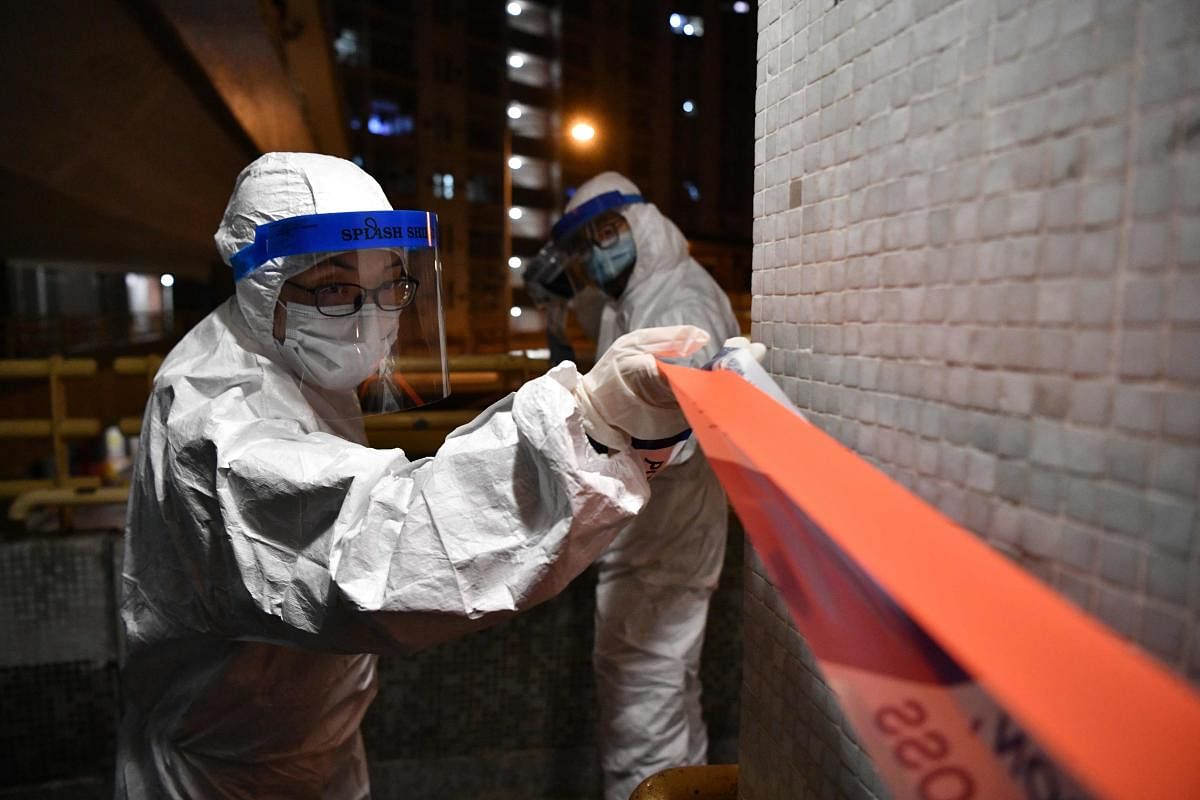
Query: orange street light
x=582, y=132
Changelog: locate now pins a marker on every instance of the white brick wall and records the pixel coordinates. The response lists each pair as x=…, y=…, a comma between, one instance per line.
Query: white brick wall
x=977, y=263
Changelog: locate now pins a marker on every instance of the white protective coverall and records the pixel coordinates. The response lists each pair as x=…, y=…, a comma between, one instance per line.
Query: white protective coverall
x=657, y=577
x=269, y=551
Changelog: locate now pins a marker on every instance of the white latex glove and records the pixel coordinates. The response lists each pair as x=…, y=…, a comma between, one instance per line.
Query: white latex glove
x=624, y=395
x=757, y=349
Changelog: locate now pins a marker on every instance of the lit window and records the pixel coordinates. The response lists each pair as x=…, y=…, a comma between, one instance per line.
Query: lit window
x=386, y=119
x=514, y=9
x=741, y=7
x=443, y=185
x=685, y=25
x=515, y=162
x=515, y=262
x=514, y=111
x=693, y=191
x=515, y=213
x=689, y=108
x=346, y=47
x=516, y=60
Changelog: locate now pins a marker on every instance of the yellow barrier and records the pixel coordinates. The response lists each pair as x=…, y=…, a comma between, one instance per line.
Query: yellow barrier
x=16, y=368
x=419, y=420
x=15, y=488
x=71, y=428
x=526, y=366
x=137, y=365
x=476, y=363
x=61, y=498
x=58, y=428
x=419, y=432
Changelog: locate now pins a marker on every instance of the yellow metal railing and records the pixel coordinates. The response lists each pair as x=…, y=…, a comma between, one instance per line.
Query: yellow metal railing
x=58, y=428
x=26, y=502
x=131, y=366
x=419, y=431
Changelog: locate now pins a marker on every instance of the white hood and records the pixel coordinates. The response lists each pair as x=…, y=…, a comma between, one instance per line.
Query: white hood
x=277, y=186
x=660, y=244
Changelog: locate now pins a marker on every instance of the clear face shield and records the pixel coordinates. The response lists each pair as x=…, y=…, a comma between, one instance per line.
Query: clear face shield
x=549, y=288
x=361, y=308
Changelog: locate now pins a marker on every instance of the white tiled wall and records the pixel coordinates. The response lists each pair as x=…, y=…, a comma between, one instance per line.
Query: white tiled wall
x=977, y=263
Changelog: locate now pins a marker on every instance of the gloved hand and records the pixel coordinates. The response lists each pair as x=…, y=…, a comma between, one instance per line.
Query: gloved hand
x=624, y=395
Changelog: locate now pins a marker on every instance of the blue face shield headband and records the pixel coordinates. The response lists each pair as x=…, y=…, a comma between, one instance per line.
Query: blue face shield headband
x=576, y=218
x=332, y=233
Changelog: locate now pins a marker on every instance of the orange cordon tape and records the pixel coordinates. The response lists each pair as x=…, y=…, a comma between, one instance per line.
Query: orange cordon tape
x=935, y=644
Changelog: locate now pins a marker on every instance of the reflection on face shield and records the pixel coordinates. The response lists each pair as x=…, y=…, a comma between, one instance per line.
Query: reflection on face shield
x=546, y=278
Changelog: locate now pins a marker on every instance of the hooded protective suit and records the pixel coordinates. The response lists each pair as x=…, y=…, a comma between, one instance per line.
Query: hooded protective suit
x=657, y=577
x=269, y=551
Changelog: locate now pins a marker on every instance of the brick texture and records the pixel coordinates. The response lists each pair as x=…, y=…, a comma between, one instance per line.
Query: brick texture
x=977, y=263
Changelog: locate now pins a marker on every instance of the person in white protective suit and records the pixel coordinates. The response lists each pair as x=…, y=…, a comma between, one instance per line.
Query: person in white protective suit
x=270, y=552
x=657, y=577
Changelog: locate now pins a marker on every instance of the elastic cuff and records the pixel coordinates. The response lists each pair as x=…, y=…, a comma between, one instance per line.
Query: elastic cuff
x=595, y=426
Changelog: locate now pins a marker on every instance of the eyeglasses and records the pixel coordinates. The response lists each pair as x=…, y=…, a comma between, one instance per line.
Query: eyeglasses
x=344, y=299
x=606, y=231
x=603, y=232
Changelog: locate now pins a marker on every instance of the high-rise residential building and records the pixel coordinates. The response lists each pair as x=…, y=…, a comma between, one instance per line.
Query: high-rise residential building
x=667, y=85
x=491, y=113
x=425, y=93
x=534, y=138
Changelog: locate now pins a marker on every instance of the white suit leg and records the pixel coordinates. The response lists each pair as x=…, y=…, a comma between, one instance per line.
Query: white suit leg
x=648, y=642
x=652, y=598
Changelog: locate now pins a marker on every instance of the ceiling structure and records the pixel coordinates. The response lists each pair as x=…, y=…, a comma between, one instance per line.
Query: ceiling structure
x=127, y=122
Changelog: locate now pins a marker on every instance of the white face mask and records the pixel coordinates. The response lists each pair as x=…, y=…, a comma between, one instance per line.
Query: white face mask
x=337, y=352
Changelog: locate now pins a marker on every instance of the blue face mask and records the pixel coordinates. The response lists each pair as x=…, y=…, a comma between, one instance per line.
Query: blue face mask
x=608, y=263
